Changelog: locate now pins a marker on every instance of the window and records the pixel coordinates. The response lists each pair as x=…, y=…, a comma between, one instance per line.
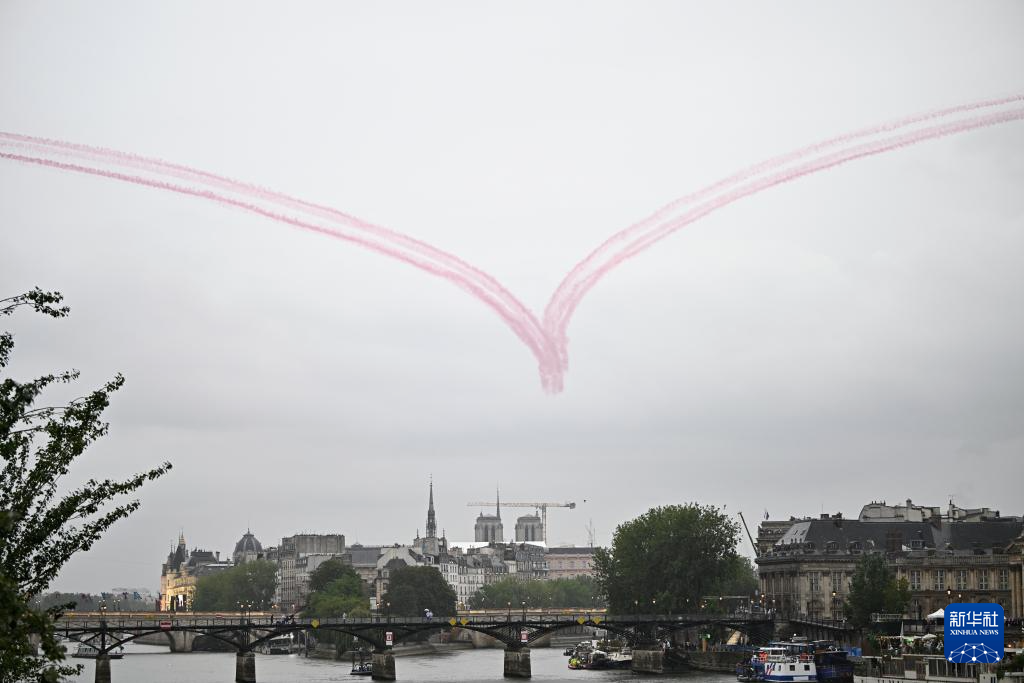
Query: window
x=815, y=579
x=961, y=579
x=1004, y=579
x=940, y=579
x=837, y=582
x=983, y=579
x=915, y=579
x=807, y=667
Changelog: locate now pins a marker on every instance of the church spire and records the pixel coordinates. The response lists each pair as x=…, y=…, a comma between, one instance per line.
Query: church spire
x=498, y=501
x=431, y=521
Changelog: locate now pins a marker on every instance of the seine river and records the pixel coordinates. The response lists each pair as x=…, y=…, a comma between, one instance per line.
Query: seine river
x=151, y=664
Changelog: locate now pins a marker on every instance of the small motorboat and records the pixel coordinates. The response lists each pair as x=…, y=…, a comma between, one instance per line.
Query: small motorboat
x=86, y=651
x=363, y=667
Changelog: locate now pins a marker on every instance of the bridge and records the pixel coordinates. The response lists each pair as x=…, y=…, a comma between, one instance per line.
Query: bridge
x=516, y=629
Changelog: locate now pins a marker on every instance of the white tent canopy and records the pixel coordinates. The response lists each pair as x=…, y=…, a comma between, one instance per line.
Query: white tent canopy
x=938, y=614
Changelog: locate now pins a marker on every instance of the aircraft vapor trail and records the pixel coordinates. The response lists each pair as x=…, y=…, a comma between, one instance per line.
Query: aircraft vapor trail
x=548, y=341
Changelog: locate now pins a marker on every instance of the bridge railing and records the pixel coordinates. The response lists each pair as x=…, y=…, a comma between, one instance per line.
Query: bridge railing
x=178, y=620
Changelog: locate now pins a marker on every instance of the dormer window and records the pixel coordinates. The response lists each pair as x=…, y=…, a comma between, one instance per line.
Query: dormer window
x=831, y=547
x=856, y=548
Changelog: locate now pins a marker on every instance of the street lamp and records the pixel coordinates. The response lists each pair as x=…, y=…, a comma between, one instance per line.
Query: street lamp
x=654, y=605
x=508, y=611
x=524, y=610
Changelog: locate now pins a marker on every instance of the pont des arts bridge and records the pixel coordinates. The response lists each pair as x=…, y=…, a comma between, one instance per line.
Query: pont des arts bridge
x=516, y=629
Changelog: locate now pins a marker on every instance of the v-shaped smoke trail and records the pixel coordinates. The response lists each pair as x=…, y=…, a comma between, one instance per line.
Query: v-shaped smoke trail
x=547, y=340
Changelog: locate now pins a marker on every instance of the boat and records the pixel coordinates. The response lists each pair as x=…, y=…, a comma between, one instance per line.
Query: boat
x=86, y=651
x=798, y=661
x=363, y=667
x=776, y=663
x=921, y=667
x=283, y=645
x=745, y=672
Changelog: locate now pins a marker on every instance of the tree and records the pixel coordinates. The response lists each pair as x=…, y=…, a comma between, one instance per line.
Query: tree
x=411, y=590
x=45, y=522
x=332, y=571
x=581, y=592
x=336, y=590
x=667, y=559
x=874, y=588
x=249, y=583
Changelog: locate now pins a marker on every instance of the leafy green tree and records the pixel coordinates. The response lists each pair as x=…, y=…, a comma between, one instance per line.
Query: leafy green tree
x=411, y=590
x=874, y=588
x=45, y=521
x=582, y=592
x=249, y=583
x=336, y=591
x=334, y=570
x=667, y=559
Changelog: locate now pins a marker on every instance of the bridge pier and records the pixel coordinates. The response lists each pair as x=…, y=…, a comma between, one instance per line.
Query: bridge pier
x=648, y=661
x=517, y=663
x=245, y=667
x=102, y=669
x=383, y=664
x=181, y=641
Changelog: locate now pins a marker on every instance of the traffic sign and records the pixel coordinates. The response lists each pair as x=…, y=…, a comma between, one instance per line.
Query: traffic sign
x=524, y=636
x=389, y=638
x=165, y=625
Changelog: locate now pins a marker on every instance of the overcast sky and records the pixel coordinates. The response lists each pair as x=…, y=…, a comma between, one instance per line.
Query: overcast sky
x=850, y=336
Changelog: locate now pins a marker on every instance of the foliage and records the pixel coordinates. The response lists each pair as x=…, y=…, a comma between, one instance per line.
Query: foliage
x=669, y=558
x=579, y=592
x=337, y=591
x=44, y=528
x=336, y=570
x=874, y=588
x=20, y=622
x=411, y=590
x=1010, y=664
x=85, y=602
x=250, y=583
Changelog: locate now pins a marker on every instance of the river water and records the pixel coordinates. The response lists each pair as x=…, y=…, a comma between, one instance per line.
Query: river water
x=151, y=664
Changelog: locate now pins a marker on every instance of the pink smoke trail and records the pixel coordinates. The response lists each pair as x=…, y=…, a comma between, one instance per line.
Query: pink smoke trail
x=548, y=341
x=575, y=286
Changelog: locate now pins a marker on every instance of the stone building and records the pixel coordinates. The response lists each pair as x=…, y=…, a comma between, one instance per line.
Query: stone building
x=247, y=549
x=771, y=532
x=297, y=557
x=529, y=529
x=363, y=558
x=952, y=556
x=570, y=562
x=181, y=571
x=488, y=528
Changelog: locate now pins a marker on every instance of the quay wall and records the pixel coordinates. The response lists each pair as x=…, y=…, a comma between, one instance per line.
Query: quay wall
x=722, y=661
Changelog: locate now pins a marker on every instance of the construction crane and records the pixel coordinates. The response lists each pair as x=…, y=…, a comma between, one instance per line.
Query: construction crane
x=754, y=545
x=543, y=507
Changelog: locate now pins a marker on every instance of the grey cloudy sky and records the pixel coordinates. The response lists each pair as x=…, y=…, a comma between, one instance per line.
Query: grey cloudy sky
x=853, y=335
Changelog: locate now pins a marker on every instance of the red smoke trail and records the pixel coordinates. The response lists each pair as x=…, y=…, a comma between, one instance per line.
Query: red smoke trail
x=548, y=341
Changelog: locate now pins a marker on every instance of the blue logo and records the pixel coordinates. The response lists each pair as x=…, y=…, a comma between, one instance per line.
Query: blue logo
x=974, y=632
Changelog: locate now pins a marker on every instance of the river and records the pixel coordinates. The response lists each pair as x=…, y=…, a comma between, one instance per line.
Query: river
x=151, y=664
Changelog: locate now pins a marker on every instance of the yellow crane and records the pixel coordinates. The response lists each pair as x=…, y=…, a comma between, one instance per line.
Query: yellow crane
x=543, y=507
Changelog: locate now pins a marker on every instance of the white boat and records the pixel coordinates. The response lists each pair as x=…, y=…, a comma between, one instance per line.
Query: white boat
x=283, y=645
x=86, y=651
x=776, y=663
